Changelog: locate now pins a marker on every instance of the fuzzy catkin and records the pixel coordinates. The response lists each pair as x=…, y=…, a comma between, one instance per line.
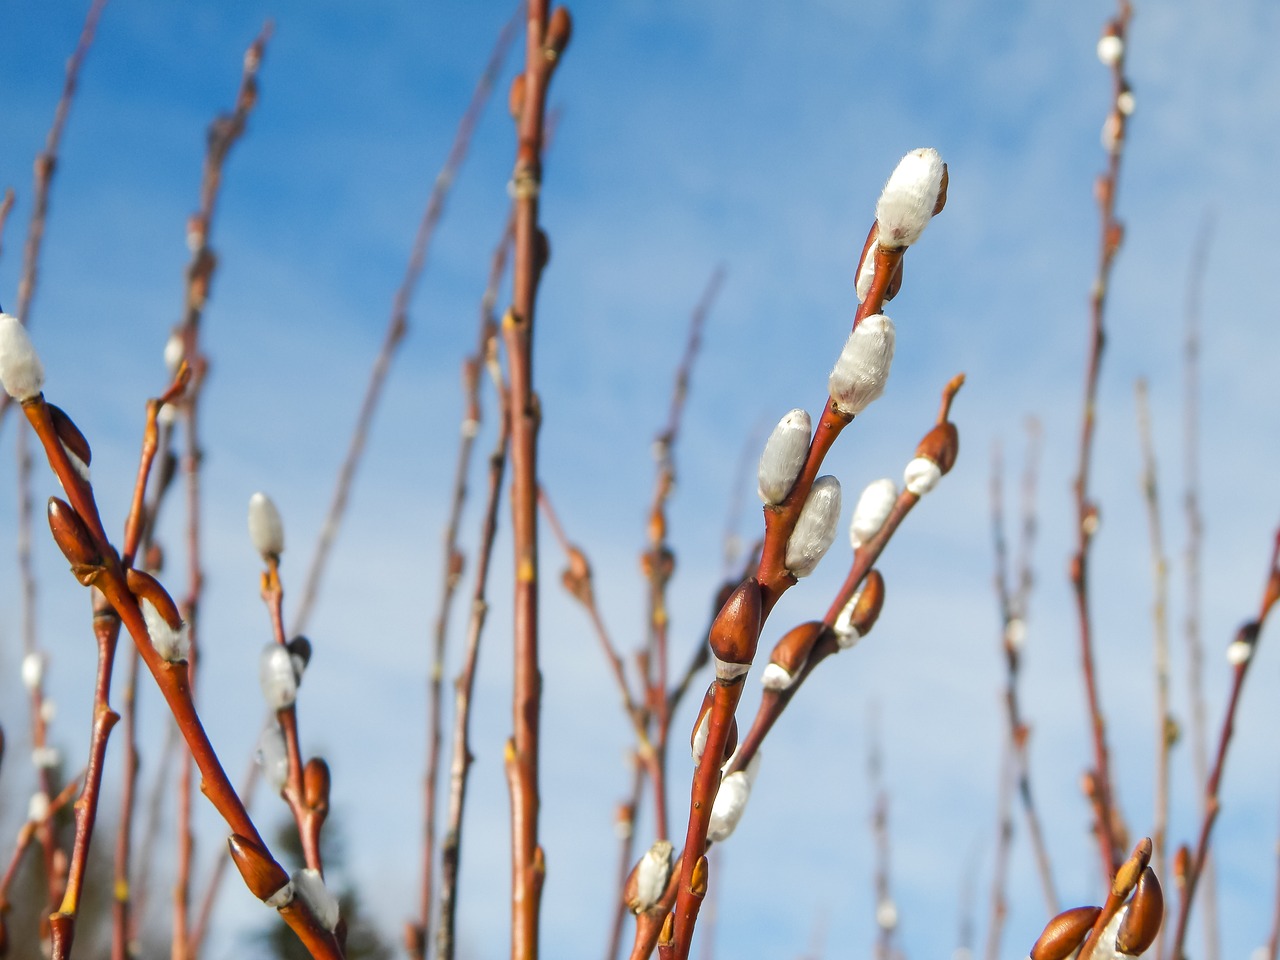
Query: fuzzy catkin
x=862, y=370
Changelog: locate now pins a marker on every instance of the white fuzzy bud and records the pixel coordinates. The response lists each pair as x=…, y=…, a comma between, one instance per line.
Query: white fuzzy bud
x=815, y=528
x=48, y=710
x=652, y=874
x=282, y=897
x=79, y=466
x=866, y=271
x=173, y=645
x=273, y=757
x=862, y=370
x=1125, y=102
x=275, y=672
x=1110, y=49
x=266, y=529
x=174, y=351
x=730, y=671
x=21, y=371
x=886, y=914
x=1015, y=633
x=784, y=456
x=1106, y=948
x=847, y=635
x=699, y=742
x=32, y=670
x=1112, y=131
x=1238, y=652
x=309, y=885
x=776, y=677
x=906, y=205
x=45, y=758
x=873, y=509
x=38, y=807
x=167, y=416
x=921, y=476
x=731, y=801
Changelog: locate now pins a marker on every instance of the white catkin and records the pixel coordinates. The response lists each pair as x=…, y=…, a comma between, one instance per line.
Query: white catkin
x=775, y=677
x=862, y=369
x=1106, y=948
x=873, y=509
x=1110, y=49
x=45, y=758
x=38, y=807
x=731, y=801
x=700, y=732
x=174, y=351
x=32, y=670
x=273, y=757
x=21, y=371
x=906, y=205
x=816, y=527
x=784, y=455
x=275, y=672
x=173, y=645
x=921, y=476
x=282, y=897
x=309, y=885
x=652, y=874
x=867, y=271
x=847, y=635
x=266, y=529
x=730, y=671
x=1238, y=652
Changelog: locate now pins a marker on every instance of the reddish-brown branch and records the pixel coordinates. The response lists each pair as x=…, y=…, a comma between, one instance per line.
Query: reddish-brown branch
x=398, y=324
x=1107, y=821
x=1243, y=657
x=6, y=207
x=26, y=834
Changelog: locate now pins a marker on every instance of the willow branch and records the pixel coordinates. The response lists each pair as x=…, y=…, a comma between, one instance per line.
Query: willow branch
x=398, y=324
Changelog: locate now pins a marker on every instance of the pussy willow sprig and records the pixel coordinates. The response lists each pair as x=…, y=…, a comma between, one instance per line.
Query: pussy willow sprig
x=150, y=615
x=798, y=527
x=1239, y=655
x=546, y=36
x=1108, y=825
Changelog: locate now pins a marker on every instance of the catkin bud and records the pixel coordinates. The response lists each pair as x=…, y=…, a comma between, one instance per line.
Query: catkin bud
x=872, y=510
x=698, y=739
x=38, y=807
x=735, y=632
x=941, y=445
x=1110, y=46
x=74, y=444
x=1063, y=934
x=784, y=456
x=275, y=673
x=559, y=30
x=816, y=527
x=74, y=540
x=1241, y=648
x=266, y=529
x=1142, y=918
x=909, y=198
x=264, y=877
x=862, y=369
x=649, y=877
x=315, y=784
x=174, y=351
x=299, y=655
x=790, y=654
x=309, y=885
x=859, y=615
x=731, y=801
x=32, y=670
x=172, y=644
x=273, y=757
x=921, y=476
x=21, y=371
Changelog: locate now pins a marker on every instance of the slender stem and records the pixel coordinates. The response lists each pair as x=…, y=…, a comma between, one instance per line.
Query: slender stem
x=1106, y=815
x=398, y=324
x=464, y=686
x=1273, y=939
x=6, y=207
x=886, y=912
x=1243, y=657
x=625, y=825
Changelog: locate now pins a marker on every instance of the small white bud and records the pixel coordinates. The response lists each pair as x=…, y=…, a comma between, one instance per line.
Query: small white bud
x=862, y=370
x=1015, y=633
x=776, y=677
x=816, y=527
x=1125, y=102
x=1111, y=133
x=167, y=416
x=48, y=710
x=1106, y=948
x=32, y=670
x=652, y=874
x=730, y=671
x=867, y=271
x=275, y=672
x=921, y=476
x=38, y=807
x=847, y=635
x=886, y=914
x=174, y=351
x=266, y=529
x=21, y=371
x=731, y=801
x=173, y=645
x=79, y=466
x=1238, y=652
x=1110, y=49
x=873, y=509
x=282, y=897
x=784, y=456
x=906, y=205
x=470, y=427
x=273, y=757
x=45, y=758
x=699, y=743
x=309, y=885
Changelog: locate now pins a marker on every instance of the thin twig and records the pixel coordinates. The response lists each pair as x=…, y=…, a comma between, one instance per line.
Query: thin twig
x=1166, y=726
x=1273, y=939
x=1107, y=821
x=6, y=207
x=886, y=911
x=398, y=325
x=1192, y=557
x=1240, y=655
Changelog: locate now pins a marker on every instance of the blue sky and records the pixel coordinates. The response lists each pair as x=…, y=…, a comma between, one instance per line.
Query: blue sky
x=757, y=135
